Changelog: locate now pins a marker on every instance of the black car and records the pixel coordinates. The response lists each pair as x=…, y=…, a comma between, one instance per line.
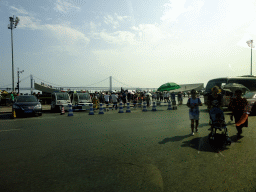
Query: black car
x=251, y=98
x=27, y=105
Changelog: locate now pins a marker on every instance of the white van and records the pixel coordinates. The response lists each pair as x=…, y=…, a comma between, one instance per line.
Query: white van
x=60, y=99
x=81, y=100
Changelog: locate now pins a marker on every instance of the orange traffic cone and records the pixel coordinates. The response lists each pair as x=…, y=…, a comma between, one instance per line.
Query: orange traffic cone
x=62, y=110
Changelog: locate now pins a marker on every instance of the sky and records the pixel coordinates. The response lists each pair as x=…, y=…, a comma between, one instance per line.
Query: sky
x=142, y=43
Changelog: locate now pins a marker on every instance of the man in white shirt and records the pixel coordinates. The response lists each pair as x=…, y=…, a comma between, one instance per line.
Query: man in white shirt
x=114, y=100
x=106, y=97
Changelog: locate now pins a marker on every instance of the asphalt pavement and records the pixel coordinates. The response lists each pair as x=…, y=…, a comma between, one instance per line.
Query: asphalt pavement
x=137, y=151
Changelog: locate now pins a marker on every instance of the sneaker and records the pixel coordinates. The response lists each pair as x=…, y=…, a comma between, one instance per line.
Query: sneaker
x=196, y=130
x=192, y=133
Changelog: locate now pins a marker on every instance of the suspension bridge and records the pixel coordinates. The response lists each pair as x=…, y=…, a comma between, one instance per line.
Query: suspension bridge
x=38, y=84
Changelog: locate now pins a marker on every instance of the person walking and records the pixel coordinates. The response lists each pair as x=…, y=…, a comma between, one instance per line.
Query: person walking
x=193, y=103
x=237, y=106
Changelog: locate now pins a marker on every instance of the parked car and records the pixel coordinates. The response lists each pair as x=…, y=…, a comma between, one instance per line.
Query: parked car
x=59, y=100
x=251, y=98
x=81, y=100
x=27, y=105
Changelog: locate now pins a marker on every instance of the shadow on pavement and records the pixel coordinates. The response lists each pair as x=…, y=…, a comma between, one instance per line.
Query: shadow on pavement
x=173, y=139
x=203, y=144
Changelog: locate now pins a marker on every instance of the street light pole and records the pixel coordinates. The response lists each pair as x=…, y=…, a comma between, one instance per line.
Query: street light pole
x=250, y=44
x=251, y=55
x=13, y=24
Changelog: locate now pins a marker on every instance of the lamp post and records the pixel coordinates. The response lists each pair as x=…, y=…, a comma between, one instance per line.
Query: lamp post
x=13, y=24
x=18, y=83
x=250, y=44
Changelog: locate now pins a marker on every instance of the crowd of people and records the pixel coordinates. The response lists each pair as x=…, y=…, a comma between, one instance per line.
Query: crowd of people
x=135, y=97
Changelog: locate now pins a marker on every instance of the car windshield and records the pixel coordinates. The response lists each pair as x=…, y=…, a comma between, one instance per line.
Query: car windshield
x=84, y=96
x=62, y=96
x=216, y=82
x=249, y=95
x=26, y=99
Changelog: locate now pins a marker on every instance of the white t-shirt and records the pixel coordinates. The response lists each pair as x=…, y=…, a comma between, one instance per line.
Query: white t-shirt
x=106, y=97
x=114, y=98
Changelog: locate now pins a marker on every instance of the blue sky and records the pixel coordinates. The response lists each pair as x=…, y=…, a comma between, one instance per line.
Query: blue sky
x=139, y=43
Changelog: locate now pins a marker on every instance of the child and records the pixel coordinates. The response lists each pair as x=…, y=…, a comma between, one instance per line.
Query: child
x=193, y=104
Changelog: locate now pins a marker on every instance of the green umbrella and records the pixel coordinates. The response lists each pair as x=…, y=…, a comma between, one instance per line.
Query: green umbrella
x=168, y=87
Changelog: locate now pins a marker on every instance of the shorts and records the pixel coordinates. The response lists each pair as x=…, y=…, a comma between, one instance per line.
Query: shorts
x=193, y=115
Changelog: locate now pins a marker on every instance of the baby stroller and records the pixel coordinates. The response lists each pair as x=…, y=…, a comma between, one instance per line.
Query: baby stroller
x=218, y=124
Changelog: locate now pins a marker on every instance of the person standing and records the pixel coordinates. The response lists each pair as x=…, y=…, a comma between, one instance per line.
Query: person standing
x=12, y=97
x=237, y=106
x=173, y=98
x=129, y=96
x=165, y=97
x=179, y=97
x=161, y=96
x=193, y=103
x=114, y=100
x=106, y=98
x=157, y=96
x=147, y=99
x=124, y=98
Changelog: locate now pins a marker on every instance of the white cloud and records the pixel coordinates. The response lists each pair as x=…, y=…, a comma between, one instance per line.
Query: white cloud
x=71, y=40
x=67, y=35
x=174, y=9
x=64, y=6
x=149, y=33
x=118, y=37
x=110, y=20
x=114, y=21
x=20, y=10
x=121, y=18
x=29, y=22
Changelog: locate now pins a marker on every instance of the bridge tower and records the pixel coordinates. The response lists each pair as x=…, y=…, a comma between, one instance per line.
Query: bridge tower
x=31, y=88
x=110, y=83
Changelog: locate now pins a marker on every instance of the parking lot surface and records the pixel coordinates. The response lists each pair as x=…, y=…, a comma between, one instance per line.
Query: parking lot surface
x=137, y=151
